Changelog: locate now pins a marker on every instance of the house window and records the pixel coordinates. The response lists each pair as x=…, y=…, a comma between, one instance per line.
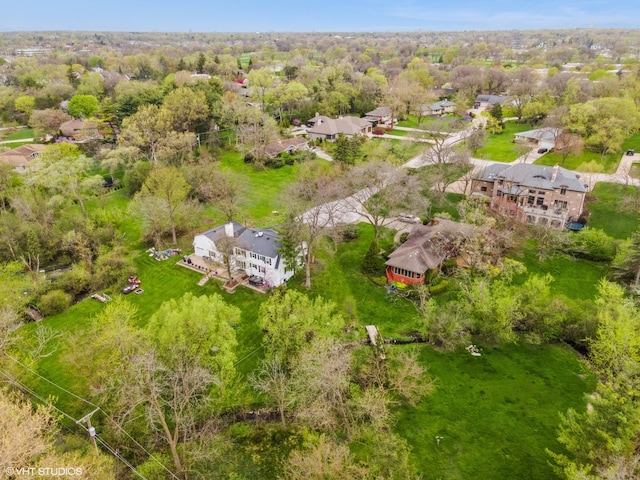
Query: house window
x=500, y=182
x=531, y=200
x=532, y=191
x=539, y=201
x=403, y=272
x=483, y=189
x=559, y=204
x=563, y=191
x=540, y=192
x=242, y=265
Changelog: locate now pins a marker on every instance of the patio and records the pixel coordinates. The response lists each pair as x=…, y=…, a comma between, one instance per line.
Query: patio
x=210, y=270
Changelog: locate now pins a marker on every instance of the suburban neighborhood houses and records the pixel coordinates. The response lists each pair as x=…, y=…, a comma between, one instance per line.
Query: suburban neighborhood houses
x=320, y=255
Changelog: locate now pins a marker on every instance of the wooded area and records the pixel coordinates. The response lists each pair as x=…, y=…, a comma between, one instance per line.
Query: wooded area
x=515, y=357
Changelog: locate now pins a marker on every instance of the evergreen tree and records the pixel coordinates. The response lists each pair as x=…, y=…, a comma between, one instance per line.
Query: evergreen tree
x=201, y=61
x=496, y=112
x=373, y=262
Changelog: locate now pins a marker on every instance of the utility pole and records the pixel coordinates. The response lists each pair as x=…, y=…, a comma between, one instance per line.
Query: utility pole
x=90, y=428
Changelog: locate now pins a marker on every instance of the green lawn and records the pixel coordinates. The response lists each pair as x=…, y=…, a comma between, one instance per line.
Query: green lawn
x=609, y=163
x=17, y=135
x=496, y=413
x=447, y=204
x=412, y=121
x=14, y=145
x=393, y=151
x=501, y=147
x=263, y=188
x=399, y=133
x=338, y=278
x=161, y=281
x=573, y=278
x=614, y=209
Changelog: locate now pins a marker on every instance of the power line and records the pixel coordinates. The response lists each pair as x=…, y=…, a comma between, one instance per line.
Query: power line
x=50, y=382
x=248, y=355
x=29, y=391
x=119, y=457
x=97, y=407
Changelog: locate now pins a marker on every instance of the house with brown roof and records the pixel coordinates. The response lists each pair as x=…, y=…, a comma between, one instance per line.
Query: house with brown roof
x=22, y=157
x=80, y=131
x=380, y=115
x=288, y=145
x=326, y=128
x=536, y=194
x=426, y=247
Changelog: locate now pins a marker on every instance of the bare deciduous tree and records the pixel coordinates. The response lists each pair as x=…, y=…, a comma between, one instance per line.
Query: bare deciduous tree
x=322, y=376
x=314, y=209
x=324, y=459
x=273, y=380
x=381, y=191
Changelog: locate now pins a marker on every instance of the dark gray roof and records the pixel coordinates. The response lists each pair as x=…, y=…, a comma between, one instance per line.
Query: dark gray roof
x=492, y=99
x=217, y=233
x=547, y=134
x=443, y=104
x=533, y=176
x=263, y=241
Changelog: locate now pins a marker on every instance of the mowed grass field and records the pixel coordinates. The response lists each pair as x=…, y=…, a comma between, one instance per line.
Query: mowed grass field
x=500, y=147
x=606, y=164
x=493, y=416
x=16, y=134
x=614, y=208
x=263, y=189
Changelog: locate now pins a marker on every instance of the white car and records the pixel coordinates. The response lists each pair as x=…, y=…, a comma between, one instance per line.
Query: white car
x=407, y=217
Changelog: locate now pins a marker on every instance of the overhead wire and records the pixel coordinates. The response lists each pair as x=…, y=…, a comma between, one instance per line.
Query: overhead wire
x=88, y=402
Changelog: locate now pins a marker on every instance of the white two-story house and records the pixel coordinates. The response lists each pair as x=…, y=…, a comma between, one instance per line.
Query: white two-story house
x=250, y=250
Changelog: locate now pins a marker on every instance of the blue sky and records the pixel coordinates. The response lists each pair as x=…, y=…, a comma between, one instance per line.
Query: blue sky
x=318, y=15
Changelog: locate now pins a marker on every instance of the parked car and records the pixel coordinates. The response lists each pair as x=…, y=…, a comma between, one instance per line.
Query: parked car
x=407, y=217
x=543, y=150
